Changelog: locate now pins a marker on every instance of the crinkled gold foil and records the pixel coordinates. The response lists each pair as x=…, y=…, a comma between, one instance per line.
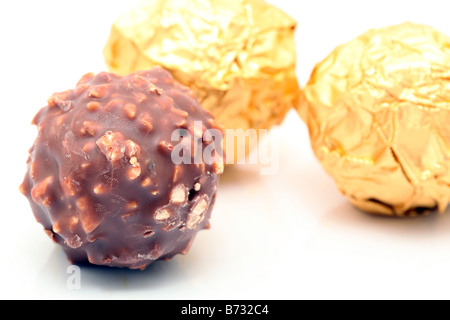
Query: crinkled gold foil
x=238, y=56
x=378, y=112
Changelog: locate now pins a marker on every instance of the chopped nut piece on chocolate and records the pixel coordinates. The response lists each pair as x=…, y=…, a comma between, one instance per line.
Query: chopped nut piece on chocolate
x=197, y=213
x=162, y=214
x=178, y=194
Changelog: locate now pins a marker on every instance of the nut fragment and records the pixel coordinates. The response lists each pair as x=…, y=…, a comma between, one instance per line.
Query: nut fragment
x=73, y=222
x=165, y=146
x=154, y=89
x=134, y=172
x=178, y=194
x=100, y=189
x=82, y=203
x=89, y=128
x=177, y=173
x=40, y=192
x=130, y=110
x=114, y=105
x=181, y=113
x=162, y=214
x=132, y=149
x=74, y=242
x=70, y=186
x=88, y=147
x=128, y=215
x=93, y=105
x=60, y=100
x=132, y=205
x=146, y=122
x=146, y=182
x=197, y=212
x=218, y=167
x=56, y=227
x=98, y=91
x=140, y=97
x=112, y=145
x=86, y=78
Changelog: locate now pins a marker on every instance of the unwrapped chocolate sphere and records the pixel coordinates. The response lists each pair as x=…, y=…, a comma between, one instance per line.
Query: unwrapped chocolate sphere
x=102, y=177
x=239, y=57
x=378, y=112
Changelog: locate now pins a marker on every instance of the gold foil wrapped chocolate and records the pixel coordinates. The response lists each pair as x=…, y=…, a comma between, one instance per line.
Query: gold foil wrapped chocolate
x=378, y=112
x=238, y=57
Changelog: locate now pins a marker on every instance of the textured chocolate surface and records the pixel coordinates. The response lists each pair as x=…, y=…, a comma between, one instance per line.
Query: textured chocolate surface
x=100, y=176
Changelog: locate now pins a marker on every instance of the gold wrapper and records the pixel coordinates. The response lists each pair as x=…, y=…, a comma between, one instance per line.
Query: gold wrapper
x=378, y=112
x=238, y=56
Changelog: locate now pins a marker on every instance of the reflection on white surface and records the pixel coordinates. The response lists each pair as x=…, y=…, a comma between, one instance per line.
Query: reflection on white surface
x=287, y=236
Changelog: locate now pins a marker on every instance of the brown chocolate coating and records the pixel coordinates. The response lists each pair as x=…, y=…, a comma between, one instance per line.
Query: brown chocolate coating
x=100, y=176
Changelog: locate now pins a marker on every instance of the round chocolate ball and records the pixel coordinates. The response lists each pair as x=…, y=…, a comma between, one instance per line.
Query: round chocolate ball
x=119, y=174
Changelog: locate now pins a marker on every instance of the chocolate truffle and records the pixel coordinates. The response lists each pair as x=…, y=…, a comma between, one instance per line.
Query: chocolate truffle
x=239, y=57
x=102, y=177
x=378, y=110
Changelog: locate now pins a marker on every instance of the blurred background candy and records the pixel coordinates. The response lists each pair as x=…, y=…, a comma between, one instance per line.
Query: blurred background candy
x=378, y=113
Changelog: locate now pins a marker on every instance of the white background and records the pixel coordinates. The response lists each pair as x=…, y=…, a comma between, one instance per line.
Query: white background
x=287, y=236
